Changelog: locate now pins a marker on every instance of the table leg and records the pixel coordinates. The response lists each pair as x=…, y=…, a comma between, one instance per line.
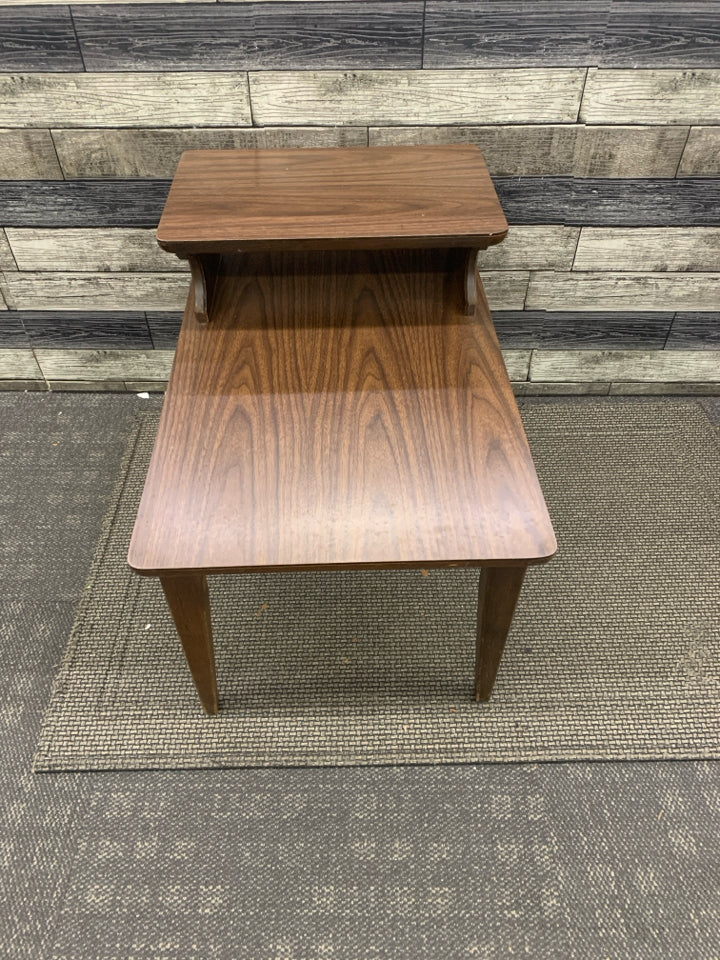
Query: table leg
x=189, y=601
x=497, y=599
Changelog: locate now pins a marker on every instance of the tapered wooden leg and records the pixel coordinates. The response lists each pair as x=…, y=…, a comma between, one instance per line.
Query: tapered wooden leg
x=189, y=603
x=497, y=599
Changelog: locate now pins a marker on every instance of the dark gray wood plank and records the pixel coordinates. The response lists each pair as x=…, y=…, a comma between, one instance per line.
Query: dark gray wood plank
x=82, y=203
x=38, y=39
x=47, y=328
x=529, y=329
x=12, y=331
x=164, y=329
x=662, y=33
x=252, y=36
x=514, y=33
x=693, y=331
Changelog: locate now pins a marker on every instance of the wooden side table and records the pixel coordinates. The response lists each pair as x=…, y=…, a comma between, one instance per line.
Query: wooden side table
x=338, y=398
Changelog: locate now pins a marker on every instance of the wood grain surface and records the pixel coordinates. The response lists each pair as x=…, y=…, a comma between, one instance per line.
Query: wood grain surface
x=258, y=36
x=662, y=33
x=38, y=39
x=632, y=365
x=86, y=329
x=695, y=331
x=18, y=365
x=616, y=291
x=7, y=261
x=222, y=200
x=532, y=329
x=95, y=291
x=377, y=97
x=124, y=100
x=651, y=96
x=12, y=332
x=701, y=156
x=648, y=249
x=340, y=410
x=119, y=365
x=82, y=203
x=545, y=247
x=28, y=155
x=92, y=250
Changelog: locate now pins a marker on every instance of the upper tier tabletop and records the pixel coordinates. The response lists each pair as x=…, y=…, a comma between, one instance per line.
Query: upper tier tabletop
x=341, y=198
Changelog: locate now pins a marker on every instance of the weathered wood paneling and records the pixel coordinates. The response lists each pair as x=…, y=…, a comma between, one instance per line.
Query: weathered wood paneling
x=648, y=249
x=695, y=331
x=19, y=365
x=533, y=389
x=532, y=248
x=38, y=39
x=164, y=328
x=630, y=291
x=379, y=97
x=105, y=364
x=155, y=153
x=505, y=289
x=95, y=291
x=91, y=251
x=484, y=33
x=532, y=150
x=28, y=155
x=82, y=203
x=260, y=36
x=659, y=389
x=662, y=33
x=651, y=96
x=7, y=261
x=12, y=331
x=701, y=156
x=517, y=363
x=528, y=329
x=54, y=328
x=630, y=365
x=124, y=100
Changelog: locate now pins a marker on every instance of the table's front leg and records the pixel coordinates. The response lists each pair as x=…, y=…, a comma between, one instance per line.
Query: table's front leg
x=189, y=601
x=497, y=598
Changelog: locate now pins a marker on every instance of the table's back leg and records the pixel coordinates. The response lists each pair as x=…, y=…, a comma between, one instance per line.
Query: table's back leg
x=497, y=598
x=189, y=601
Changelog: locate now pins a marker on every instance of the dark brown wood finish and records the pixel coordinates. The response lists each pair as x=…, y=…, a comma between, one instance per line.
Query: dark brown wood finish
x=497, y=598
x=189, y=603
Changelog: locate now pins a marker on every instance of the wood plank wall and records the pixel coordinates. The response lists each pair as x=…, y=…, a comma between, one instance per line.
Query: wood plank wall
x=600, y=121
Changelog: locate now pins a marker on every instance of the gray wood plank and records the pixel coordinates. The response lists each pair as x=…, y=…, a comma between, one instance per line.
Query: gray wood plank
x=679, y=388
x=155, y=153
x=38, y=39
x=515, y=33
x=546, y=247
x=91, y=251
x=695, y=331
x=13, y=385
x=532, y=388
x=18, y=365
x=7, y=261
x=505, y=289
x=380, y=97
x=533, y=150
x=12, y=331
x=517, y=364
x=701, y=156
x=28, y=155
x=82, y=203
x=164, y=328
x=651, y=96
x=662, y=33
x=530, y=329
x=105, y=364
x=95, y=291
x=124, y=100
x=258, y=36
x=629, y=291
x=88, y=330
x=660, y=366
x=648, y=249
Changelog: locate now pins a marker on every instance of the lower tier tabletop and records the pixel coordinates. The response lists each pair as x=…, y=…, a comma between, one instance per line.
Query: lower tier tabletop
x=341, y=409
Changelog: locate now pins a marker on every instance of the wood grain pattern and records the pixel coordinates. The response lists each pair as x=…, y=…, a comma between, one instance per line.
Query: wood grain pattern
x=535, y=150
x=532, y=388
x=505, y=289
x=615, y=291
x=18, y=365
x=682, y=389
x=630, y=365
x=546, y=247
x=695, y=331
x=95, y=291
x=648, y=249
x=379, y=97
x=189, y=601
x=498, y=595
x=651, y=96
x=164, y=328
x=124, y=100
x=260, y=36
x=12, y=332
x=7, y=261
x=662, y=33
x=155, y=153
x=530, y=329
x=88, y=330
x=118, y=365
x=701, y=156
x=38, y=39
x=91, y=251
x=28, y=155
x=82, y=203
x=482, y=33
x=355, y=406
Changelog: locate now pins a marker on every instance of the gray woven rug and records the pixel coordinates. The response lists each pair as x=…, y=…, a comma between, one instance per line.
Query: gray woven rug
x=614, y=652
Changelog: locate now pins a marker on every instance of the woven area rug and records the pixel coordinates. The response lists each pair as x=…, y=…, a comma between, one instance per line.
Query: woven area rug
x=614, y=652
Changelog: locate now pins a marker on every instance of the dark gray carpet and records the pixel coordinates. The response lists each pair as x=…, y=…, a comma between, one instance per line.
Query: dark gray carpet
x=614, y=653
x=410, y=862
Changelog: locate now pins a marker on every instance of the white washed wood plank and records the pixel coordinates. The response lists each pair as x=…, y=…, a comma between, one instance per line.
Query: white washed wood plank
x=701, y=156
x=517, y=363
x=28, y=155
x=97, y=250
x=626, y=365
x=118, y=365
x=628, y=291
x=651, y=96
x=550, y=247
x=95, y=291
x=124, y=99
x=155, y=152
x=649, y=249
x=19, y=365
x=659, y=389
x=382, y=97
x=7, y=261
x=505, y=289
